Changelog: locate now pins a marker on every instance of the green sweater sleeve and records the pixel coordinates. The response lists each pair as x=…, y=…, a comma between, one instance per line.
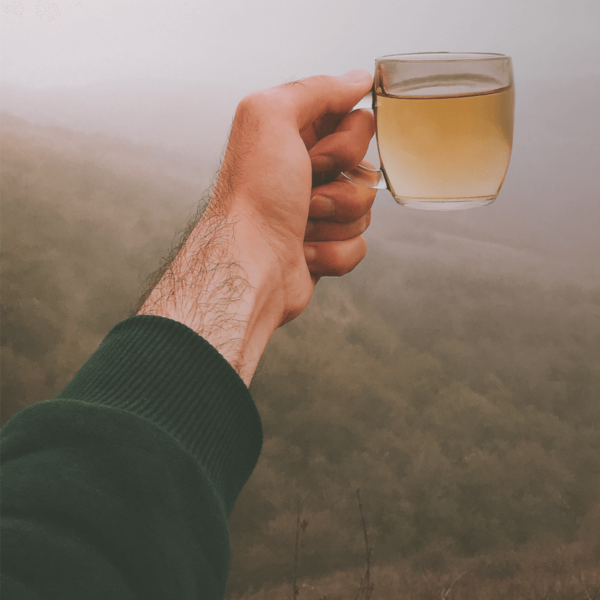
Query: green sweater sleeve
x=121, y=487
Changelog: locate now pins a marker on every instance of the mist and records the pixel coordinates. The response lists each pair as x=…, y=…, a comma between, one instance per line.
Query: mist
x=254, y=45
x=454, y=376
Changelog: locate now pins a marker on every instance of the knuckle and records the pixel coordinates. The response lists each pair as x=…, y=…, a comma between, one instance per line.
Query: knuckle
x=363, y=224
x=264, y=105
x=251, y=104
x=340, y=269
x=366, y=119
x=364, y=200
x=359, y=204
x=332, y=261
x=342, y=263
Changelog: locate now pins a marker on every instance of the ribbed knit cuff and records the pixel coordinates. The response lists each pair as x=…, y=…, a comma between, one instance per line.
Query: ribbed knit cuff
x=164, y=372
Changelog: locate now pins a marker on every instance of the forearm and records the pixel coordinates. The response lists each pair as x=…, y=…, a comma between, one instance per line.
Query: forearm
x=250, y=264
x=223, y=285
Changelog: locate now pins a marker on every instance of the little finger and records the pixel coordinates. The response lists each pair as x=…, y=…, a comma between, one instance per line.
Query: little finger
x=334, y=258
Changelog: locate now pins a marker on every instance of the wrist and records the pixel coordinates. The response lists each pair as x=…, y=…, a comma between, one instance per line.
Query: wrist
x=224, y=284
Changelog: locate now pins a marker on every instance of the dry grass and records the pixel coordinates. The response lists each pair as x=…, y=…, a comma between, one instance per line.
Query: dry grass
x=543, y=571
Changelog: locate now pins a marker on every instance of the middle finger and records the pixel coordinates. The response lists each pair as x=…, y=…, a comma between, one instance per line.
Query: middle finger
x=340, y=201
x=327, y=231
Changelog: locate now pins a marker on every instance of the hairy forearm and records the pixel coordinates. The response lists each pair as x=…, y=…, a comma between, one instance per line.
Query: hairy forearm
x=221, y=284
x=247, y=266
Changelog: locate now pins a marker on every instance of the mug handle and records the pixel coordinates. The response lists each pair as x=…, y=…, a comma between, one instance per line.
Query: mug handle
x=362, y=175
x=358, y=176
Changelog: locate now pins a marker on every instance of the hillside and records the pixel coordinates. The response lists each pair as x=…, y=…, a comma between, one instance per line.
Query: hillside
x=454, y=376
x=85, y=219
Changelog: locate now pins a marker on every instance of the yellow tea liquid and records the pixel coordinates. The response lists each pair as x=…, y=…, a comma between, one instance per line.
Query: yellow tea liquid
x=446, y=147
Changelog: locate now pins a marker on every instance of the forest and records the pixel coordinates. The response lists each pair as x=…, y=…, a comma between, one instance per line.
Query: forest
x=454, y=377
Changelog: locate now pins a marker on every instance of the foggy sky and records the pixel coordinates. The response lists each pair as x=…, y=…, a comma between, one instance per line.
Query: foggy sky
x=266, y=42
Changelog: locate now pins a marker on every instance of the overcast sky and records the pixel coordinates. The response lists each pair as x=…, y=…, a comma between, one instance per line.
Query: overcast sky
x=258, y=43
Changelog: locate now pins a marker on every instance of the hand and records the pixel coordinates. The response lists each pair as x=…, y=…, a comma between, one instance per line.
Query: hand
x=280, y=217
x=284, y=141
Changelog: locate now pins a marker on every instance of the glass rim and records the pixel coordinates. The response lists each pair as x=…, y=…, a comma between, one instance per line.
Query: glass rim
x=441, y=57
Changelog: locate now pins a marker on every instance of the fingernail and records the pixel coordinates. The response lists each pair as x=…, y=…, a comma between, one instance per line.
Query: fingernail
x=321, y=163
x=310, y=254
x=322, y=206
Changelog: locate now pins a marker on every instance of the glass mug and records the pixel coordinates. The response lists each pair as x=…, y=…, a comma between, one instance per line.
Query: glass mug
x=444, y=127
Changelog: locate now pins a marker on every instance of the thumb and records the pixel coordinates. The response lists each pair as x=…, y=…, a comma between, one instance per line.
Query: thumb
x=315, y=97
